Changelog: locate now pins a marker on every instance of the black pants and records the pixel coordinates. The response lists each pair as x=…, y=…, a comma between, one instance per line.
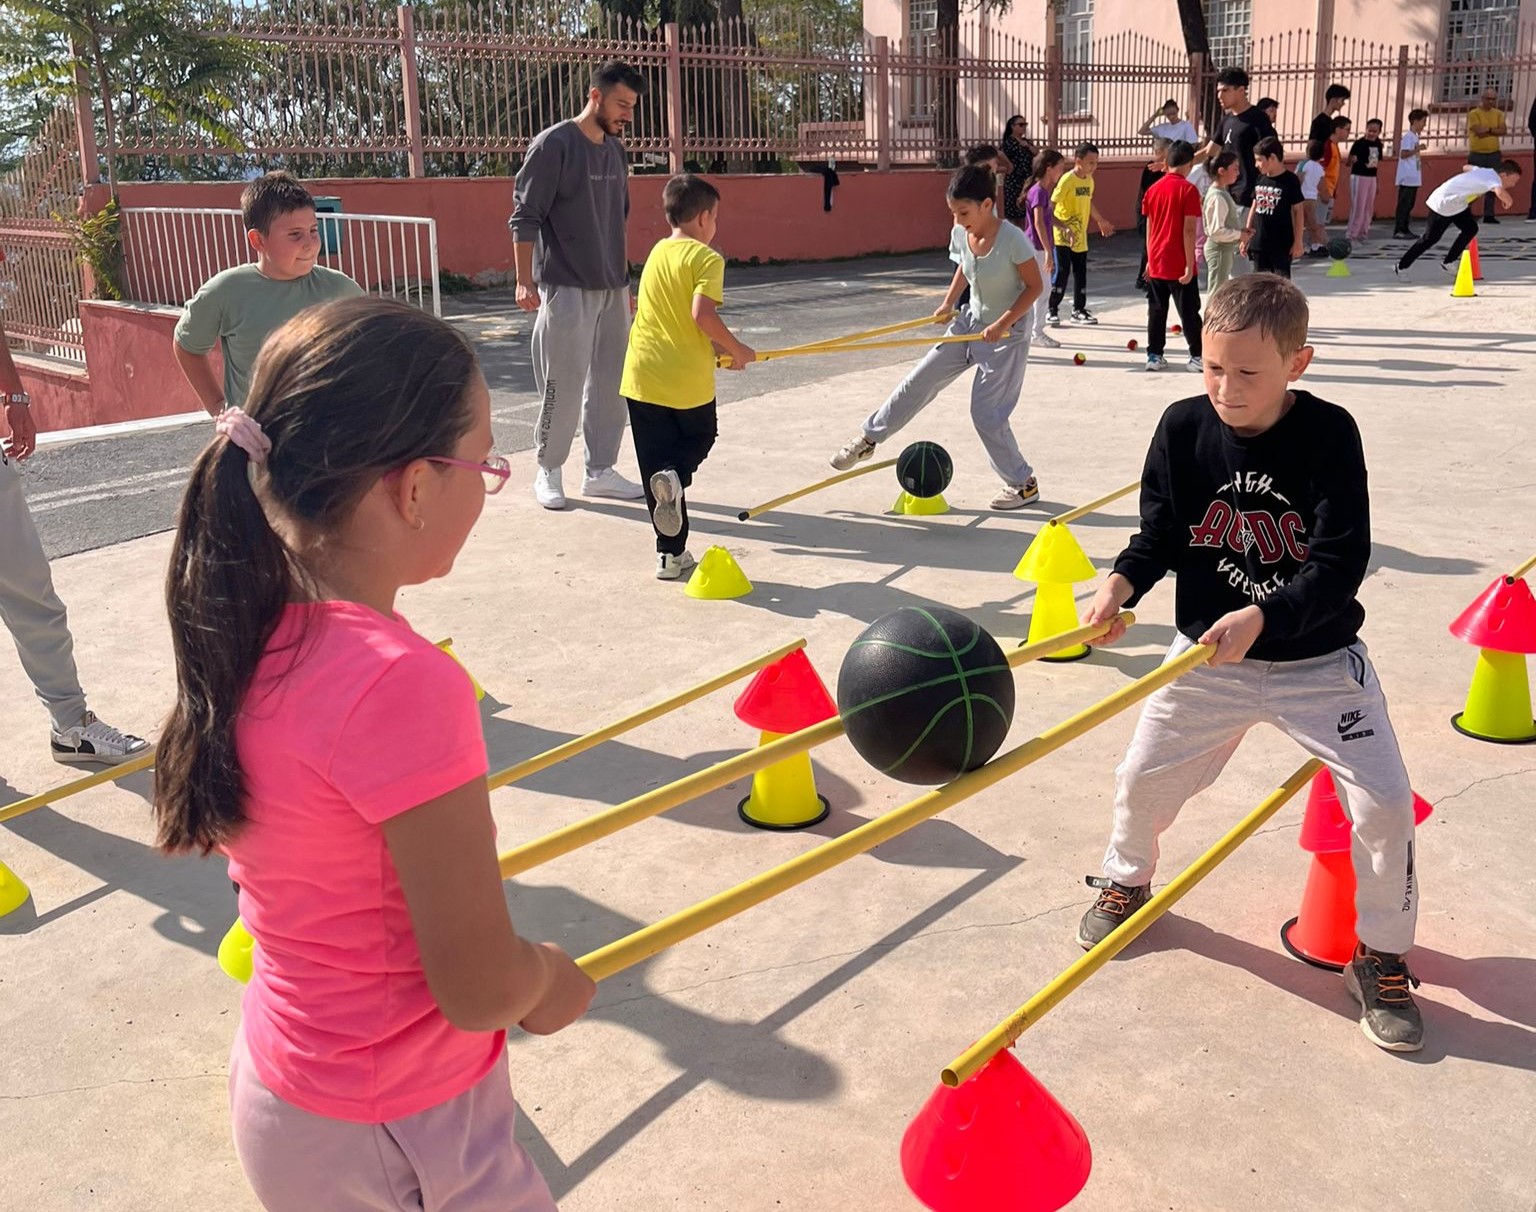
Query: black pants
x=1067, y=260
x=1265, y=263
x=1437, y=226
x=1407, y=195
x=671, y=439
x=1186, y=297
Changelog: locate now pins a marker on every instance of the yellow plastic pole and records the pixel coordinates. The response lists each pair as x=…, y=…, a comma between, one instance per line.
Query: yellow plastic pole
x=974, y=1058
x=110, y=775
x=560, y=753
x=839, y=478
x=1097, y=503
x=1522, y=570
x=772, y=355
x=646, y=942
x=663, y=799
x=868, y=334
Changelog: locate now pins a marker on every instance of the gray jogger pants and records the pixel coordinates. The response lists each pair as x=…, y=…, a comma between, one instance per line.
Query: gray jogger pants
x=579, y=340
x=31, y=609
x=994, y=393
x=1334, y=708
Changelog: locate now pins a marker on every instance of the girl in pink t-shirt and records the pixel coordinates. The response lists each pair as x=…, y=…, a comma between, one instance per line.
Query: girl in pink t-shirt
x=336, y=758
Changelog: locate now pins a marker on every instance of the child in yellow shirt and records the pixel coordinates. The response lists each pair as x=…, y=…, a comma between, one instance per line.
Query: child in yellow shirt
x=669, y=369
x=1072, y=204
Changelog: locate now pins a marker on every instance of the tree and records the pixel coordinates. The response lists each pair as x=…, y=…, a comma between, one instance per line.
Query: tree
x=1197, y=41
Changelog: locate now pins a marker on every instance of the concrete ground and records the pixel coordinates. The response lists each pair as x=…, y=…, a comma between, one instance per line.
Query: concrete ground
x=775, y=1061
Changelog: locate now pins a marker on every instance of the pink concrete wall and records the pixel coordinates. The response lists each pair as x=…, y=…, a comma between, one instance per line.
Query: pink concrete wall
x=60, y=396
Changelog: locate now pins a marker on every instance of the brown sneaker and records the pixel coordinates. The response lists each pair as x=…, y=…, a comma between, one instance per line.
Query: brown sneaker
x=1116, y=903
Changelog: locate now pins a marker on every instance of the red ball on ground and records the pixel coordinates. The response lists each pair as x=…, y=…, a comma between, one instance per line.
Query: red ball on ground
x=1131, y=345
x=1079, y=358
x=1177, y=329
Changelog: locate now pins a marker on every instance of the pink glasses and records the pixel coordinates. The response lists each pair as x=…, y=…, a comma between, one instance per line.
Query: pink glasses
x=495, y=471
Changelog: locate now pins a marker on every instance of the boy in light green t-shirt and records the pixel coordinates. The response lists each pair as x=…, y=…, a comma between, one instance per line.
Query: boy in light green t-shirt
x=241, y=307
x=669, y=369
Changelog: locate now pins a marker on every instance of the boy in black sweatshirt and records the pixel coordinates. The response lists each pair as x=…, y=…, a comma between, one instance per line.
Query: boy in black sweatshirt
x=1255, y=496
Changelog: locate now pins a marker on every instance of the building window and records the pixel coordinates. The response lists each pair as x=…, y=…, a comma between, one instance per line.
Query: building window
x=922, y=43
x=1481, y=35
x=1229, y=26
x=1074, y=35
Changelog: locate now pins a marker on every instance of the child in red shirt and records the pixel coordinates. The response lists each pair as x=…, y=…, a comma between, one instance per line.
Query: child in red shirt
x=1172, y=209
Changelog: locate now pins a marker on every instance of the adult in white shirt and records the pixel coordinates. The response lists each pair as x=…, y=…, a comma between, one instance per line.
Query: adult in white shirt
x=1166, y=124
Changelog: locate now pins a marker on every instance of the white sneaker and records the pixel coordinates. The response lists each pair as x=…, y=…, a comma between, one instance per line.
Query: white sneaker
x=609, y=483
x=855, y=451
x=1156, y=362
x=1048, y=341
x=673, y=568
x=548, y=489
x=1016, y=496
x=93, y=743
x=667, y=517
x=1195, y=366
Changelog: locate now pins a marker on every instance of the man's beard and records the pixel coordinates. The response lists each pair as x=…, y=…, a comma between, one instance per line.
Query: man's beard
x=611, y=126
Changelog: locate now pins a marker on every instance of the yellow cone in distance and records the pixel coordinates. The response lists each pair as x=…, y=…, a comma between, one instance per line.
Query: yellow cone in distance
x=784, y=795
x=717, y=577
x=1055, y=612
x=235, y=953
x=920, y=506
x=1339, y=269
x=1499, y=701
x=447, y=646
x=1463, y=288
x=13, y=893
x=1055, y=558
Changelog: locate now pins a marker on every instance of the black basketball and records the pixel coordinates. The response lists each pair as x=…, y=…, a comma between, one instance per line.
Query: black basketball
x=925, y=694
x=1339, y=248
x=924, y=469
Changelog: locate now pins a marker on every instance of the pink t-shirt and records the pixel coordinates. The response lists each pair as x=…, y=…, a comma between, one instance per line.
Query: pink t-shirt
x=363, y=721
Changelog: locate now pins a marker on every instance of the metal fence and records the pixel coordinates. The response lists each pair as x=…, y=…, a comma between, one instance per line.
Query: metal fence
x=170, y=252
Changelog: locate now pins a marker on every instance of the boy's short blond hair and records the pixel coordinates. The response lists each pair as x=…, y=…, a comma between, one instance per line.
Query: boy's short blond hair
x=1268, y=302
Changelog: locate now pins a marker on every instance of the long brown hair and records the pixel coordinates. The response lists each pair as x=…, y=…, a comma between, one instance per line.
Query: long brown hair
x=345, y=392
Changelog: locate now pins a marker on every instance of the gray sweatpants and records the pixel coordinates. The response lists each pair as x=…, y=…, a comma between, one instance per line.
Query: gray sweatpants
x=31, y=609
x=579, y=339
x=994, y=392
x=1334, y=708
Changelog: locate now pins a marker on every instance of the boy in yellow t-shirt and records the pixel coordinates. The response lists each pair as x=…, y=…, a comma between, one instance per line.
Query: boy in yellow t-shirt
x=669, y=369
x=1072, y=204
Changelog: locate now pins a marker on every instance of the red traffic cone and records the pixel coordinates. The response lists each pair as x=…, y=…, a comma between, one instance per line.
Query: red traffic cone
x=1477, y=261
x=783, y=698
x=1502, y=623
x=1324, y=828
x=998, y=1141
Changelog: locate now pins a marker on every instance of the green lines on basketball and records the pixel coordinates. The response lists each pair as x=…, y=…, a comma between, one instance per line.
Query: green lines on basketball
x=925, y=694
x=924, y=469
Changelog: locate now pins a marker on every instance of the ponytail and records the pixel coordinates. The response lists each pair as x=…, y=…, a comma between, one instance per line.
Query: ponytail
x=1044, y=162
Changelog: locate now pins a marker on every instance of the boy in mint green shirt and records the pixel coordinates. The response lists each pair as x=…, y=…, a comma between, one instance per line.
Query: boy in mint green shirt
x=240, y=307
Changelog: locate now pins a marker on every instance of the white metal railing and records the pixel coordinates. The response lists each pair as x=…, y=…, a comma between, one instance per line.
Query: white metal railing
x=170, y=251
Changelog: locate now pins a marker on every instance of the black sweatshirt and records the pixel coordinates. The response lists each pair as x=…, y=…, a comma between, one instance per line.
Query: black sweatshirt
x=1281, y=520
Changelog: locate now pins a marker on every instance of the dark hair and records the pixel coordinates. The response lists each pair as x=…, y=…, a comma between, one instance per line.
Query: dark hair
x=1266, y=103
x=972, y=183
x=1336, y=92
x=1417, y=115
x=345, y=392
x=1221, y=160
x=271, y=195
x=608, y=75
x=1375, y=122
x=1510, y=168
x=1180, y=153
x=1341, y=122
x=1316, y=149
x=1044, y=162
x=1232, y=77
x=1270, y=145
x=1008, y=128
x=1171, y=102
x=686, y=197
x=980, y=154
x=1085, y=149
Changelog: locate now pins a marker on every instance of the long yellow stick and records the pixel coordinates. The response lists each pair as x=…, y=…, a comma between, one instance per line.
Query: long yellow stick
x=1522, y=570
x=772, y=355
x=1097, y=503
x=974, y=1058
x=646, y=942
x=552, y=757
x=841, y=476
x=868, y=334
x=110, y=775
x=662, y=799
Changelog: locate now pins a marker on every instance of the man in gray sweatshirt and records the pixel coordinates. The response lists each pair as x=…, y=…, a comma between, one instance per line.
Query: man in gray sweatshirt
x=569, y=209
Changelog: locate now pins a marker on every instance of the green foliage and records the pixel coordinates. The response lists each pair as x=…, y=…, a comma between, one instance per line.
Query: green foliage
x=98, y=240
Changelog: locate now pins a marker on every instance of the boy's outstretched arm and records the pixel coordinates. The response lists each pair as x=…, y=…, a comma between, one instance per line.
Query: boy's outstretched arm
x=1106, y=228
x=713, y=327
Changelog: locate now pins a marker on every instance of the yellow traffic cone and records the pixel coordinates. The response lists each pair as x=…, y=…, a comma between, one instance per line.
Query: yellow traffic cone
x=1055, y=562
x=235, y=953
x=920, y=506
x=13, y=893
x=447, y=646
x=1339, y=269
x=1055, y=611
x=1499, y=701
x=784, y=795
x=1463, y=288
x=718, y=576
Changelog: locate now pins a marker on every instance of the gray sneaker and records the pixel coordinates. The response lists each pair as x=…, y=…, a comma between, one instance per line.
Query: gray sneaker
x=94, y=743
x=1116, y=903
x=668, y=514
x=1388, y=1014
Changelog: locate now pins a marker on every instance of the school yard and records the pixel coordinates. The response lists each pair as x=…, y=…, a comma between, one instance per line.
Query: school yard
x=775, y=1061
